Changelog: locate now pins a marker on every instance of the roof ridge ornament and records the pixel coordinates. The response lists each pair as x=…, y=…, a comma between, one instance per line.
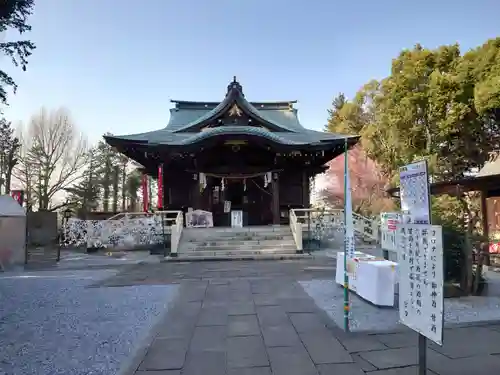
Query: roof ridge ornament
x=235, y=111
x=235, y=85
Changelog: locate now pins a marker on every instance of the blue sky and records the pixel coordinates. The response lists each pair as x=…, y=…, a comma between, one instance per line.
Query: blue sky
x=115, y=64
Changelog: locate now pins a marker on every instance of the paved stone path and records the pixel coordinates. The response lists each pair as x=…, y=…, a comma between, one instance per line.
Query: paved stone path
x=253, y=318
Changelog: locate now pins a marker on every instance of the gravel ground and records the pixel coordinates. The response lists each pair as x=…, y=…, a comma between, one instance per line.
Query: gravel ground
x=51, y=324
x=367, y=317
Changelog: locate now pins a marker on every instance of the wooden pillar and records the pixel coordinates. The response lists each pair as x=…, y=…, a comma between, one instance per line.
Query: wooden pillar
x=484, y=224
x=305, y=189
x=276, y=199
x=196, y=194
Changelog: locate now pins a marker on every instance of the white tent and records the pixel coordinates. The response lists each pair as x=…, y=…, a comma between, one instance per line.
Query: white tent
x=12, y=232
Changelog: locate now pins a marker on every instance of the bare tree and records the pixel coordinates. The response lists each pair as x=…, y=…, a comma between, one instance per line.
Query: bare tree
x=53, y=158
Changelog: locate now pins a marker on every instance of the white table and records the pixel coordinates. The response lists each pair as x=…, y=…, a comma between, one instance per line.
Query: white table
x=371, y=278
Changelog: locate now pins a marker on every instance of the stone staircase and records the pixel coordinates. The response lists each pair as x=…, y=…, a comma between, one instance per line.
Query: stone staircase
x=253, y=242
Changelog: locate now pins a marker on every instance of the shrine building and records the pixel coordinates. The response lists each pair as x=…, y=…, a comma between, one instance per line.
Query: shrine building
x=255, y=155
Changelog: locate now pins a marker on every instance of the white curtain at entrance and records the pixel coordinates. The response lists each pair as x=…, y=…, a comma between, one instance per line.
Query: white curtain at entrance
x=267, y=178
x=203, y=181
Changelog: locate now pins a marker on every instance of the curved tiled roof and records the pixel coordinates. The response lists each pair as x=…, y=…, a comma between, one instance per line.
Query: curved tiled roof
x=187, y=118
x=234, y=96
x=168, y=137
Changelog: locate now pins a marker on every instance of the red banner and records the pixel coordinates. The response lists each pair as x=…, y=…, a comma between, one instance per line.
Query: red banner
x=145, y=193
x=18, y=195
x=160, y=186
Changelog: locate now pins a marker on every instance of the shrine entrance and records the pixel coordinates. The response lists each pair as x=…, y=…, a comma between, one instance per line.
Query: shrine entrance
x=237, y=193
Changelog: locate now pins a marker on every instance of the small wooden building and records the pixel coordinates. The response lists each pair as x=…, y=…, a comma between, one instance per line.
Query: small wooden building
x=255, y=155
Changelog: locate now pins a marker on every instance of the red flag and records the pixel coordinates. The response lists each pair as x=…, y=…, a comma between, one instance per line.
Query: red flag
x=18, y=195
x=145, y=194
x=160, y=186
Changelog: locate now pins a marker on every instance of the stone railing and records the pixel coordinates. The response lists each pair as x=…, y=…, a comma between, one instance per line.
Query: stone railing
x=329, y=223
x=175, y=238
x=368, y=228
x=296, y=228
x=125, y=230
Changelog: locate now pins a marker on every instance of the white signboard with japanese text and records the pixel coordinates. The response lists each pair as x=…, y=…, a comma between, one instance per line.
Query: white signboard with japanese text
x=421, y=304
x=415, y=193
x=237, y=219
x=388, y=222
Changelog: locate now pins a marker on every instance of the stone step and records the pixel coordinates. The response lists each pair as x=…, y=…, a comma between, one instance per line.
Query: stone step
x=236, y=243
x=238, y=239
x=239, y=236
x=238, y=252
x=251, y=228
x=182, y=258
x=235, y=232
x=292, y=248
x=289, y=248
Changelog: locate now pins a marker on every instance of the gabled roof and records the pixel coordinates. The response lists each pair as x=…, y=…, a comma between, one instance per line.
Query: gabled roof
x=234, y=96
x=280, y=120
x=182, y=117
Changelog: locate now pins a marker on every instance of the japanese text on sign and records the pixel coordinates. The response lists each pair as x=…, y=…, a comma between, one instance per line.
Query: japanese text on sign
x=421, y=305
x=414, y=192
x=388, y=223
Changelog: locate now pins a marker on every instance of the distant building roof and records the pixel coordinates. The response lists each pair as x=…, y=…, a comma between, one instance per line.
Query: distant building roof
x=492, y=167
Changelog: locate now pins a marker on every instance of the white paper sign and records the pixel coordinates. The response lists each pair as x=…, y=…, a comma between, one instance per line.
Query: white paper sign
x=237, y=219
x=421, y=304
x=414, y=193
x=227, y=206
x=388, y=223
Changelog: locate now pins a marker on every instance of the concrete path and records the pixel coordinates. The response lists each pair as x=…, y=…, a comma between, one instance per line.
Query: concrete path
x=253, y=318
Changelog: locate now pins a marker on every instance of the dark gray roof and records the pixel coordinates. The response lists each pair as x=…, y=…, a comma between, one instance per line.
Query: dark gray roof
x=167, y=137
x=187, y=118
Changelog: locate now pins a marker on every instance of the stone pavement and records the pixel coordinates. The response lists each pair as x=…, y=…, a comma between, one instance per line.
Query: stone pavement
x=253, y=318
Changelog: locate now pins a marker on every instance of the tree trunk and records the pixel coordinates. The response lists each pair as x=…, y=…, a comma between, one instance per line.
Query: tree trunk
x=467, y=278
x=2, y=170
x=106, y=185
x=8, y=178
x=124, y=187
x=483, y=251
x=116, y=178
x=133, y=203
